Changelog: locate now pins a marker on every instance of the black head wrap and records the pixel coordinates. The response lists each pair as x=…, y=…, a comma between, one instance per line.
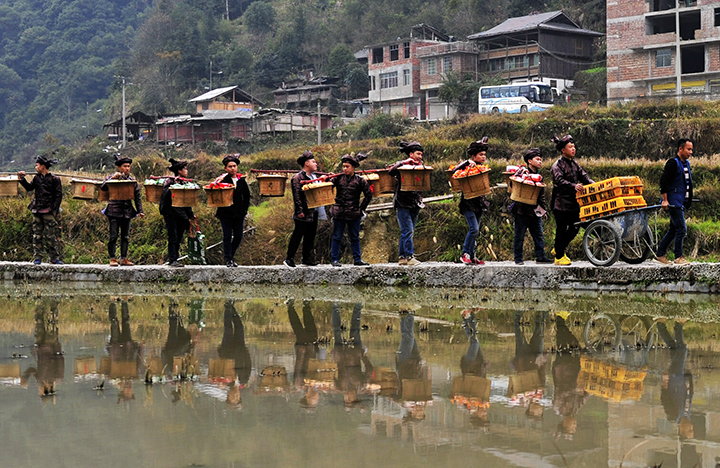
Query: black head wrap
x=120, y=160
x=306, y=156
x=560, y=143
x=531, y=153
x=478, y=146
x=411, y=147
x=230, y=158
x=46, y=161
x=354, y=159
x=177, y=166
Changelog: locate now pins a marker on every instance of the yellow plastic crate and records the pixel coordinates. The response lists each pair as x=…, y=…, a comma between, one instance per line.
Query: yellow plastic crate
x=611, y=183
x=612, y=206
x=622, y=191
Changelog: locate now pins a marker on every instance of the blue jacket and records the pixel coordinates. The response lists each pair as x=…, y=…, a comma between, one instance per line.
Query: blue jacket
x=672, y=183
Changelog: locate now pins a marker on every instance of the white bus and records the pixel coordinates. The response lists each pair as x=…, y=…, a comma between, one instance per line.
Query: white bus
x=515, y=98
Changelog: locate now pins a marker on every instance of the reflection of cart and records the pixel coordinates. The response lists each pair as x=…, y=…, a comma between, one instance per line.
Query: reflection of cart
x=618, y=332
x=623, y=235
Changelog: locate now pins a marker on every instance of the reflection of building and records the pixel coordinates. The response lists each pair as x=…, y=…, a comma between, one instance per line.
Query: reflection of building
x=547, y=47
x=645, y=39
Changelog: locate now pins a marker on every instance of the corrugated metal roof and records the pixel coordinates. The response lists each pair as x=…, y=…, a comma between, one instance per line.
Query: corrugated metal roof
x=213, y=93
x=570, y=29
x=521, y=23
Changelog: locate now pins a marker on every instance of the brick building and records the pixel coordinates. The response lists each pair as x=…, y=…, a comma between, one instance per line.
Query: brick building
x=661, y=48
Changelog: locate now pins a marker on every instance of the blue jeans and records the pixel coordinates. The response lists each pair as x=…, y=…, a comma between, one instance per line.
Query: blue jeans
x=353, y=228
x=407, y=219
x=677, y=231
x=473, y=221
x=534, y=225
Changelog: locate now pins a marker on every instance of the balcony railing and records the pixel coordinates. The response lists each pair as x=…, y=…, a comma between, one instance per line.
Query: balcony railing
x=446, y=48
x=508, y=52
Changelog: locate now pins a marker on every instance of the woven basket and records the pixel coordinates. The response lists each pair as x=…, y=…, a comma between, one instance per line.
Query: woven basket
x=385, y=183
x=320, y=195
x=508, y=182
x=102, y=195
x=9, y=186
x=219, y=197
x=475, y=185
x=272, y=185
x=415, y=180
x=525, y=193
x=184, y=198
x=153, y=193
x=373, y=180
x=454, y=183
x=121, y=189
x=83, y=189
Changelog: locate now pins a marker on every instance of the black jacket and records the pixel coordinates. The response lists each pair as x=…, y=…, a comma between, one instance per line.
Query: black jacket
x=48, y=193
x=123, y=208
x=166, y=208
x=477, y=205
x=523, y=209
x=299, y=198
x=347, y=205
x=402, y=199
x=566, y=174
x=241, y=200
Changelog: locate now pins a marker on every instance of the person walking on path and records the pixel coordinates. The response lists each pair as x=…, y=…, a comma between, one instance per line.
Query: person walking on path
x=177, y=220
x=45, y=208
x=348, y=211
x=407, y=204
x=568, y=180
x=232, y=218
x=305, y=219
x=676, y=188
x=120, y=212
x=473, y=208
x=530, y=217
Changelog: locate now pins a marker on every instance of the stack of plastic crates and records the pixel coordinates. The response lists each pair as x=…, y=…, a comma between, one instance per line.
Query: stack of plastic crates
x=610, y=196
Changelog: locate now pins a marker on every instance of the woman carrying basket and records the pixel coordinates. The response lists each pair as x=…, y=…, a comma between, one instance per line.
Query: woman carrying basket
x=232, y=218
x=177, y=220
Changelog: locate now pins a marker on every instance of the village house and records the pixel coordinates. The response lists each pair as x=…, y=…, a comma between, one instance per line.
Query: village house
x=140, y=126
x=305, y=93
x=661, y=48
x=547, y=47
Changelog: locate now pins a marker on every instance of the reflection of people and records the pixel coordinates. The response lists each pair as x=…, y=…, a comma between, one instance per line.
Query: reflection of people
x=350, y=356
x=414, y=383
x=123, y=350
x=529, y=354
x=306, y=348
x=472, y=361
x=47, y=351
x=178, y=343
x=233, y=343
x=568, y=396
x=177, y=220
x=232, y=218
x=676, y=391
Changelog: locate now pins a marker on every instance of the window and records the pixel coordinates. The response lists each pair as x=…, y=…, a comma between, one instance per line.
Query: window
x=406, y=46
x=432, y=93
x=388, y=80
x=406, y=77
x=447, y=64
x=432, y=66
x=394, y=53
x=579, y=46
x=663, y=58
x=717, y=17
x=553, y=83
x=510, y=63
x=534, y=60
x=377, y=54
x=372, y=80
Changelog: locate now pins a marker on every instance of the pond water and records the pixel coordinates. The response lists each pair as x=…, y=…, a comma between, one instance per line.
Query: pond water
x=187, y=377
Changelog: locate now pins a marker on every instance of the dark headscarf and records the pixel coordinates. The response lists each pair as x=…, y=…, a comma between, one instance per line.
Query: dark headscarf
x=560, y=143
x=411, y=147
x=230, y=158
x=177, y=166
x=353, y=159
x=306, y=156
x=120, y=160
x=531, y=153
x=478, y=146
x=46, y=161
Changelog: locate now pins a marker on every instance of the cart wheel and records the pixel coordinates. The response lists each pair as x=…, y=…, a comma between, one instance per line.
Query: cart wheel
x=601, y=243
x=601, y=332
x=638, y=250
x=637, y=332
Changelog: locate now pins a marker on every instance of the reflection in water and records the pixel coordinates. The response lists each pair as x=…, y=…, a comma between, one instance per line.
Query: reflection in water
x=630, y=389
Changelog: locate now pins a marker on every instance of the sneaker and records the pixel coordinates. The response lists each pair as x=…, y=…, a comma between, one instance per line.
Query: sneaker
x=289, y=262
x=543, y=260
x=336, y=264
x=519, y=262
x=563, y=314
x=37, y=261
x=681, y=261
x=402, y=261
x=563, y=261
x=231, y=264
x=176, y=264
x=126, y=262
x=466, y=259
x=478, y=262
x=663, y=259
x=361, y=263
x=412, y=261
x=552, y=252
x=57, y=262
x=310, y=263
x=113, y=262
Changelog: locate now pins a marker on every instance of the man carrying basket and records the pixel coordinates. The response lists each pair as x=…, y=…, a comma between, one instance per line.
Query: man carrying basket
x=305, y=219
x=177, y=220
x=407, y=203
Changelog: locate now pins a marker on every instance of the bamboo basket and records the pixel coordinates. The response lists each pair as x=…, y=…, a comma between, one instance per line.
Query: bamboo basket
x=9, y=186
x=102, y=195
x=319, y=195
x=525, y=193
x=184, y=198
x=272, y=185
x=386, y=182
x=121, y=189
x=508, y=182
x=415, y=180
x=373, y=180
x=85, y=365
x=219, y=197
x=153, y=193
x=475, y=185
x=83, y=189
x=454, y=183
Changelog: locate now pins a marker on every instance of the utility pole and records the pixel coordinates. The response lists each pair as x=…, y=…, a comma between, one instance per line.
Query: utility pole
x=124, y=128
x=210, y=75
x=319, y=124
